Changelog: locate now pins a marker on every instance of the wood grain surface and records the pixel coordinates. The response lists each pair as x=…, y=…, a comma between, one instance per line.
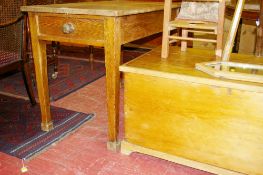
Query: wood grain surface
x=93, y=25
x=40, y=62
x=101, y=8
x=86, y=29
x=217, y=124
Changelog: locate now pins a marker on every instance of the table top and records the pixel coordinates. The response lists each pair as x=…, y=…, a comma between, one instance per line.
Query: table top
x=101, y=8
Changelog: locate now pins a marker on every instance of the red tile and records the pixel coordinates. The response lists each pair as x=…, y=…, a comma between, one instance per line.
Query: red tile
x=84, y=151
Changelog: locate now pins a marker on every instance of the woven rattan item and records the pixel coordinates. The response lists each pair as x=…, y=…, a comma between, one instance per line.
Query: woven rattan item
x=13, y=41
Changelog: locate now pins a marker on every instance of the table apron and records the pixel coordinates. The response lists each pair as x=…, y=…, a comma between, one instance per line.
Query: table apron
x=138, y=26
x=89, y=30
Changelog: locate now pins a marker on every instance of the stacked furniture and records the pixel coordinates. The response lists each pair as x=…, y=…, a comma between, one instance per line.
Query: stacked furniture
x=212, y=123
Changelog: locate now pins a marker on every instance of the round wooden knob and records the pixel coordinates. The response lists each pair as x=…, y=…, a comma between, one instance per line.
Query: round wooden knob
x=68, y=28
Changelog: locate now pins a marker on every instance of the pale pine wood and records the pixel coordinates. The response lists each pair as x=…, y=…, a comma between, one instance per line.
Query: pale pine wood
x=39, y=55
x=128, y=148
x=220, y=29
x=166, y=30
x=193, y=25
x=196, y=31
x=233, y=30
x=173, y=117
x=185, y=38
x=186, y=113
x=151, y=64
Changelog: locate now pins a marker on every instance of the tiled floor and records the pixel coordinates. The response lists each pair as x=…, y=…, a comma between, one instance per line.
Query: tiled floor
x=84, y=151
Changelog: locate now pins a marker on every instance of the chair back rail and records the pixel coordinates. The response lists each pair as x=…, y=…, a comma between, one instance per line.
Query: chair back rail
x=195, y=16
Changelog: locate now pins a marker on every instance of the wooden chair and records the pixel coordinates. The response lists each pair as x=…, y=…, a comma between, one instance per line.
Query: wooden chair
x=13, y=43
x=195, y=16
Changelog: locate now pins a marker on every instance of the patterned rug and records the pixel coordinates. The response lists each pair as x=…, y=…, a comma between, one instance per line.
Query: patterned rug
x=20, y=128
x=74, y=72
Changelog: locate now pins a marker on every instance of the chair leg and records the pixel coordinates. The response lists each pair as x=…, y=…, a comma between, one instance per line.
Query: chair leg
x=91, y=56
x=166, y=30
x=28, y=83
x=220, y=30
x=55, y=50
x=184, y=43
x=122, y=55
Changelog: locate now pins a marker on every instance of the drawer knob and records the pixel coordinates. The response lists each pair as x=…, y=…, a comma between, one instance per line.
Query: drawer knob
x=68, y=28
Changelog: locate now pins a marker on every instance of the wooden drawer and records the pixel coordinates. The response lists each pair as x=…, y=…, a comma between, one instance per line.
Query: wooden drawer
x=83, y=28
